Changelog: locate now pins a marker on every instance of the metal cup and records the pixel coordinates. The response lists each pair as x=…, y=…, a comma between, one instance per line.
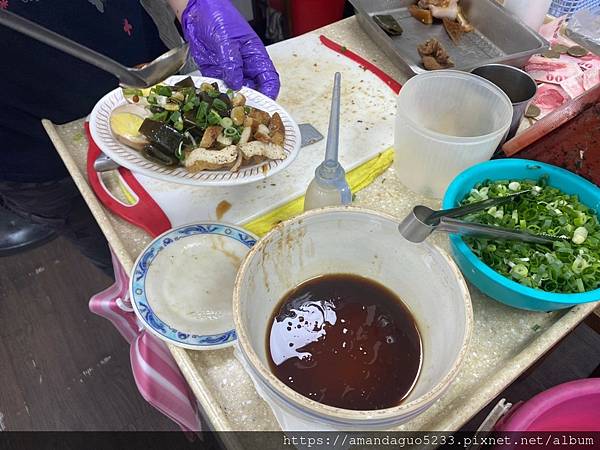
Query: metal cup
x=517, y=84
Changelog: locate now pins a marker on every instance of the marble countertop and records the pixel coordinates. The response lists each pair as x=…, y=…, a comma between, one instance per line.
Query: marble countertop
x=505, y=341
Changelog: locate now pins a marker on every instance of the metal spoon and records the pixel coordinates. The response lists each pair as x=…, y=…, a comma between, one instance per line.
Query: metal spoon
x=144, y=77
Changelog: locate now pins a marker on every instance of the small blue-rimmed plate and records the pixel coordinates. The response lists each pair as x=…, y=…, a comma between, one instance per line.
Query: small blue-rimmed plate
x=182, y=284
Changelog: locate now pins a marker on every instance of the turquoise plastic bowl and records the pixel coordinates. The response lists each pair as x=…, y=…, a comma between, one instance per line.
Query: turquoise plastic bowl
x=480, y=274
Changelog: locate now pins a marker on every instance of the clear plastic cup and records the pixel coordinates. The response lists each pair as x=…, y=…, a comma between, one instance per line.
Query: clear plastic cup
x=446, y=121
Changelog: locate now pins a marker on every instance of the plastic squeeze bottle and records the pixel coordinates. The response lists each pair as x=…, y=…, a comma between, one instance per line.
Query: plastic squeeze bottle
x=329, y=186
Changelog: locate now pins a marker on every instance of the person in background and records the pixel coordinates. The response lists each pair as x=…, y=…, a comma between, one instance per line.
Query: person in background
x=41, y=82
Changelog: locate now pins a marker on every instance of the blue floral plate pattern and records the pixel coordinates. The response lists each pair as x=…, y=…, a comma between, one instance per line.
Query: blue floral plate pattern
x=139, y=291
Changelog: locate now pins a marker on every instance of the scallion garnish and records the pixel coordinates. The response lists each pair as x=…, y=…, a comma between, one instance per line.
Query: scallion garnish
x=568, y=266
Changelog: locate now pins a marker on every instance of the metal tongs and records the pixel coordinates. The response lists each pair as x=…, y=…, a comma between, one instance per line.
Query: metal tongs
x=422, y=221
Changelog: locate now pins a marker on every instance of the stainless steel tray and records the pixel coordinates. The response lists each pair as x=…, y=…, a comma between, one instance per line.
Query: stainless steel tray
x=499, y=37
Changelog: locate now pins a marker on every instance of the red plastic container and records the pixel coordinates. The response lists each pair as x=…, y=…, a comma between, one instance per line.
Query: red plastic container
x=572, y=406
x=308, y=15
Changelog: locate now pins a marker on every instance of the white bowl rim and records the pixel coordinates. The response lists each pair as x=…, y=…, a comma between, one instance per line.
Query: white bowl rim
x=320, y=409
x=447, y=138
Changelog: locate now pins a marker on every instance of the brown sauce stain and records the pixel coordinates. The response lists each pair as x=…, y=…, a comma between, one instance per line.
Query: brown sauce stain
x=222, y=209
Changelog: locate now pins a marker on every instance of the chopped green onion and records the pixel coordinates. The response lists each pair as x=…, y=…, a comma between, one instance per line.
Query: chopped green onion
x=179, y=152
x=132, y=91
x=160, y=117
x=202, y=115
x=226, y=122
x=231, y=132
x=163, y=90
x=580, y=235
x=568, y=266
x=219, y=105
x=213, y=117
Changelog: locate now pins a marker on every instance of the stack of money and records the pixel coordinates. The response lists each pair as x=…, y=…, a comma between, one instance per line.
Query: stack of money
x=565, y=71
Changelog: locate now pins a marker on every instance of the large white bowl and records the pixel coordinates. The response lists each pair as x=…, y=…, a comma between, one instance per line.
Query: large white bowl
x=362, y=242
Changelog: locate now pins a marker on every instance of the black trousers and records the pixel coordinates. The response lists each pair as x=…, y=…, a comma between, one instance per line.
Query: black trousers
x=59, y=206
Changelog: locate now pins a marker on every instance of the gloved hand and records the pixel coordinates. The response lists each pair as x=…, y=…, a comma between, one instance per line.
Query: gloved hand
x=224, y=46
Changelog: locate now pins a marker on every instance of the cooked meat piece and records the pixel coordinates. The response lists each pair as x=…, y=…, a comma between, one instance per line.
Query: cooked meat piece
x=238, y=115
x=238, y=100
x=422, y=15
x=453, y=29
x=210, y=136
x=262, y=137
x=441, y=8
x=428, y=47
x=252, y=123
x=262, y=134
x=430, y=63
x=260, y=149
x=262, y=116
x=432, y=49
x=464, y=23
x=276, y=124
x=204, y=159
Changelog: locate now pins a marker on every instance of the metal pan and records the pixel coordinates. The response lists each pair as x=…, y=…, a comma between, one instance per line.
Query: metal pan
x=499, y=37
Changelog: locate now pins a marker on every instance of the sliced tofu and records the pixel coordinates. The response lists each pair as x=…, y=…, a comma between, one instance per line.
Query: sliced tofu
x=260, y=115
x=210, y=136
x=245, y=137
x=253, y=124
x=262, y=134
x=257, y=149
x=205, y=159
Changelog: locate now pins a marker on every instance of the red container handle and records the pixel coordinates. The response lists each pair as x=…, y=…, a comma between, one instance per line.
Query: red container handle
x=145, y=213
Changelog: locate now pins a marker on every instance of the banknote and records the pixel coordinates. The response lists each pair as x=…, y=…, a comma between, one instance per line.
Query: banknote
x=547, y=70
x=574, y=85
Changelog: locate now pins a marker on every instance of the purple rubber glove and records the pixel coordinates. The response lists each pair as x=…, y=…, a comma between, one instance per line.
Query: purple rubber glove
x=224, y=46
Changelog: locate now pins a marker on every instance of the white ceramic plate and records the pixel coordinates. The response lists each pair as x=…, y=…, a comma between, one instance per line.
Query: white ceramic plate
x=182, y=284
x=133, y=160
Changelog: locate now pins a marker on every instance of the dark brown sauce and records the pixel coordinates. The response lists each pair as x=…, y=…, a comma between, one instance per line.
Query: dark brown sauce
x=345, y=341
